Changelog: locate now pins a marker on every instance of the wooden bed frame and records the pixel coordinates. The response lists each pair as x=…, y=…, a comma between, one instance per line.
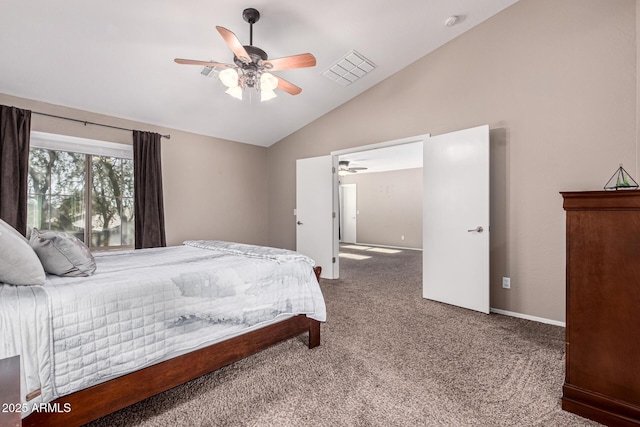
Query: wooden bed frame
x=102, y=399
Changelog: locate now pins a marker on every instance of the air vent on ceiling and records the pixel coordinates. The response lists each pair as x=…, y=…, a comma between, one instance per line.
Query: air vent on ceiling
x=206, y=71
x=351, y=67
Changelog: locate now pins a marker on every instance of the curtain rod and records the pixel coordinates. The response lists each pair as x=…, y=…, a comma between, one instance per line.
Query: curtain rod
x=89, y=123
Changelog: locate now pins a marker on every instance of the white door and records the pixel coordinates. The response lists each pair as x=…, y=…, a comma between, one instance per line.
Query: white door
x=314, y=212
x=456, y=218
x=348, y=218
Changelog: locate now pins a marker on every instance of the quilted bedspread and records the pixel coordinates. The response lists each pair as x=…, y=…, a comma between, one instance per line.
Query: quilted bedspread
x=145, y=306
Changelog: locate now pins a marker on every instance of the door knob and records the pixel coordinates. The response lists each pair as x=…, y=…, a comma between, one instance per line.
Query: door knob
x=479, y=229
x=299, y=223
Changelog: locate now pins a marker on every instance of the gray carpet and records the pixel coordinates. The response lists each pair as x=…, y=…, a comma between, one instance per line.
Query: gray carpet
x=387, y=358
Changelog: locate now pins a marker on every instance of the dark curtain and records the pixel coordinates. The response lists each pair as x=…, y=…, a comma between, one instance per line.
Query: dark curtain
x=15, y=132
x=147, y=187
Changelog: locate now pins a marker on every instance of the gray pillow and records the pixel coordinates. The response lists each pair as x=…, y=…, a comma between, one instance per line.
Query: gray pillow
x=19, y=264
x=62, y=254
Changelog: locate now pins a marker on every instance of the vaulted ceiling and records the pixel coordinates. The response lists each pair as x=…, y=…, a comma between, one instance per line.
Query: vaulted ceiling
x=116, y=57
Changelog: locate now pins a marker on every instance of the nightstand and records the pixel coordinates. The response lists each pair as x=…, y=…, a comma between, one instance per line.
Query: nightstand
x=10, y=392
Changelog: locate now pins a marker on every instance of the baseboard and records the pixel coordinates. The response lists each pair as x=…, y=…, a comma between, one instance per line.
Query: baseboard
x=526, y=316
x=598, y=407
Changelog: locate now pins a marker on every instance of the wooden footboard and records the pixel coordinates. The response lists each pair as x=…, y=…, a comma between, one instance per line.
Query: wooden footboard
x=97, y=401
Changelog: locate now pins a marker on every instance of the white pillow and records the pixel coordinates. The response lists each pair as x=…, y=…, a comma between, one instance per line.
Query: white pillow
x=62, y=254
x=19, y=264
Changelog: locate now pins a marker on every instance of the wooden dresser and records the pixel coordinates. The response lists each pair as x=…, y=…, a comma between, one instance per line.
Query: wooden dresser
x=603, y=306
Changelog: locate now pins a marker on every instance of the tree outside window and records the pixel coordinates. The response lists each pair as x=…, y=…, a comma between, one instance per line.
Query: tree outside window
x=100, y=215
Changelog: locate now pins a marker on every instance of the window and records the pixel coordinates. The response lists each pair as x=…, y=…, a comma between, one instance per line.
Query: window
x=82, y=187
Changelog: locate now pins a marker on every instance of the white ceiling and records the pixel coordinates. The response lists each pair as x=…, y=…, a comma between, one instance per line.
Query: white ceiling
x=116, y=57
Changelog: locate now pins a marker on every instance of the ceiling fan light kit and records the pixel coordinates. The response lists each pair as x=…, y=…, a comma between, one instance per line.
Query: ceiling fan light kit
x=268, y=84
x=235, y=92
x=229, y=77
x=252, y=68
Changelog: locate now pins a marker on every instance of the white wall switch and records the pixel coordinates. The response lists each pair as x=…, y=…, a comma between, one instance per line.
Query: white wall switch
x=506, y=282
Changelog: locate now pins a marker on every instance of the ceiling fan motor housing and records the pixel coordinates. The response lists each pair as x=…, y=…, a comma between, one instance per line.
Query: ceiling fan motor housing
x=251, y=71
x=257, y=56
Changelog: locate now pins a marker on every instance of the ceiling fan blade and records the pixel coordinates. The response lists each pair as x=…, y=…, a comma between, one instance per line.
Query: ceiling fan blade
x=289, y=62
x=288, y=87
x=203, y=63
x=358, y=168
x=234, y=44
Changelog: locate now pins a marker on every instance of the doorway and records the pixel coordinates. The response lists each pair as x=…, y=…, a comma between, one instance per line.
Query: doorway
x=456, y=195
x=387, y=181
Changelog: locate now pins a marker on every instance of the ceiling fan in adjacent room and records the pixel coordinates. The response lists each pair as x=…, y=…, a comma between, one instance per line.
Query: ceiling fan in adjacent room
x=344, y=169
x=251, y=67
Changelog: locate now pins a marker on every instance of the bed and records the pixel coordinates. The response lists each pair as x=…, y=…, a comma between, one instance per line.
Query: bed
x=149, y=320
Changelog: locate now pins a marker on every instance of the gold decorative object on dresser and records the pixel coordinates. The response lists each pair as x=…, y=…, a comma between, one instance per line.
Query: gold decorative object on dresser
x=602, y=379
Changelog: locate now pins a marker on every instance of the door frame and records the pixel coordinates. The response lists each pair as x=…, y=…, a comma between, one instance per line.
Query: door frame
x=335, y=155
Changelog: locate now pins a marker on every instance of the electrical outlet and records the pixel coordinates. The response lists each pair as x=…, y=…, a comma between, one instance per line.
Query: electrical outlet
x=402, y=237
x=506, y=282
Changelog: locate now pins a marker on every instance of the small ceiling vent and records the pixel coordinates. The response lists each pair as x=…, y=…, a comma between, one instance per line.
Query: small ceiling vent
x=350, y=68
x=206, y=71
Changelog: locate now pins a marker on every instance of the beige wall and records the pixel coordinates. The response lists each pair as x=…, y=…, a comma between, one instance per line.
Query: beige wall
x=556, y=82
x=389, y=206
x=213, y=189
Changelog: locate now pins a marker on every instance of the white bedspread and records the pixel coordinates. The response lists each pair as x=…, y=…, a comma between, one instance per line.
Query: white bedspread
x=145, y=306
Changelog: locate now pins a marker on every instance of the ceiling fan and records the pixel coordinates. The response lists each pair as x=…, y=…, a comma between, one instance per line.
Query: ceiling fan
x=251, y=67
x=343, y=168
